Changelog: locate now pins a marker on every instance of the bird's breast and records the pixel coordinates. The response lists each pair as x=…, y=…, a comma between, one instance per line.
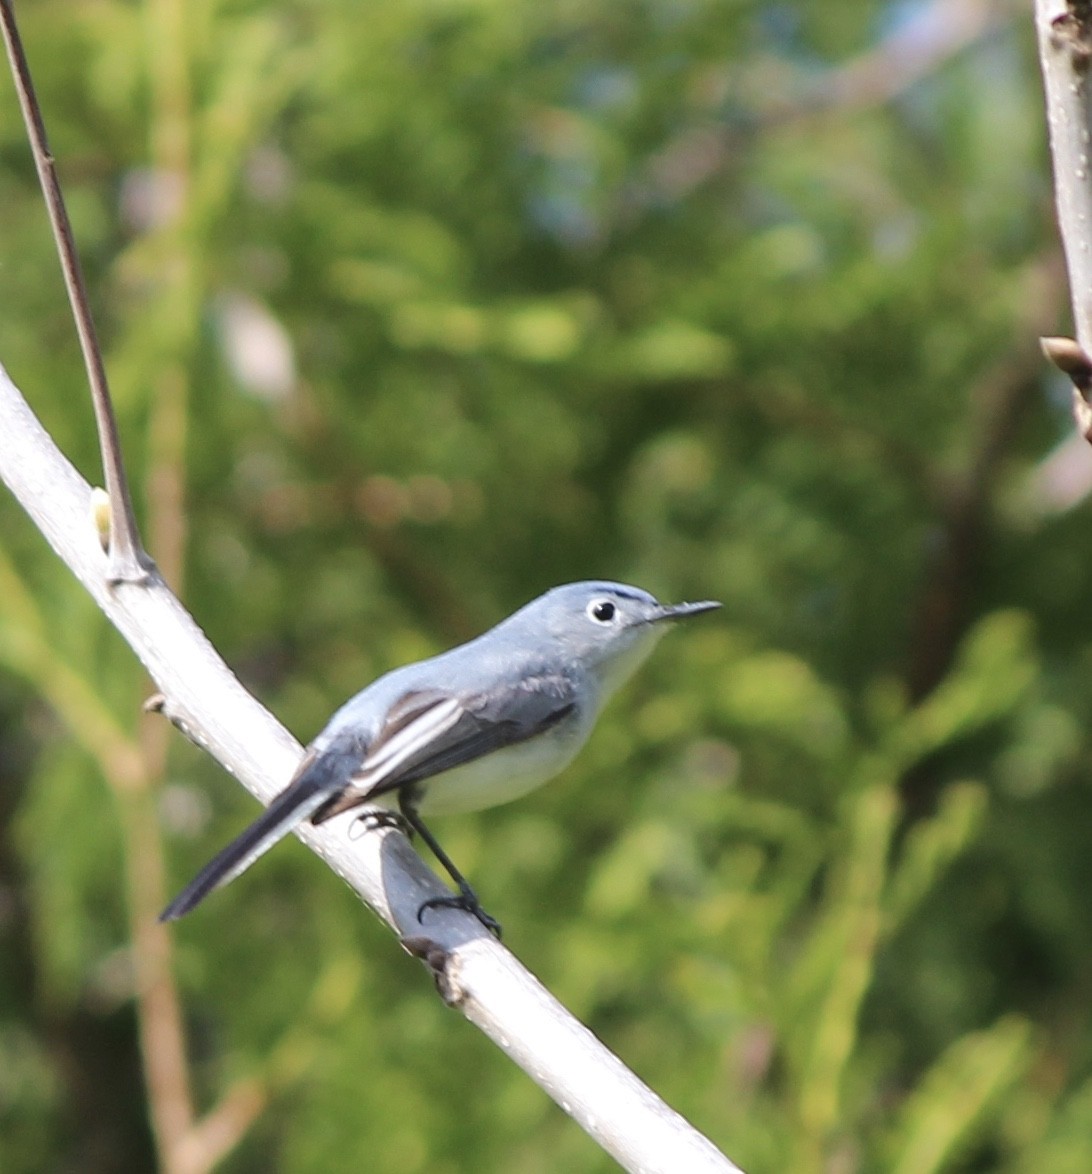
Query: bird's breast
x=504, y=774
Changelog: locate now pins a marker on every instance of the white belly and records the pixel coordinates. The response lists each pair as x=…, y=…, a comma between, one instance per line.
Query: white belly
x=501, y=776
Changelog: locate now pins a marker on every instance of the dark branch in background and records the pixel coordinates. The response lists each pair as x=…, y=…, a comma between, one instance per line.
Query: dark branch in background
x=955, y=560
x=129, y=562
x=1065, y=53
x=998, y=400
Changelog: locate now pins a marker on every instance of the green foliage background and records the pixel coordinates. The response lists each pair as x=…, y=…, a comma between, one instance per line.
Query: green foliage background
x=656, y=291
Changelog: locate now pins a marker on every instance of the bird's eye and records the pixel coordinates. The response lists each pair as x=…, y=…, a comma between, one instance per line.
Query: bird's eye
x=602, y=610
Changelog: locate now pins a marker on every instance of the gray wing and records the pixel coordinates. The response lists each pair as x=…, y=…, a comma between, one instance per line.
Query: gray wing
x=427, y=732
x=424, y=733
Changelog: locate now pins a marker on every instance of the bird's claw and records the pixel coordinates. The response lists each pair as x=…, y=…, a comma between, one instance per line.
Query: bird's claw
x=467, y=900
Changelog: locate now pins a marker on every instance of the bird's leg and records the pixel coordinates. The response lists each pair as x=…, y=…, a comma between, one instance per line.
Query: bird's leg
x=467, y=899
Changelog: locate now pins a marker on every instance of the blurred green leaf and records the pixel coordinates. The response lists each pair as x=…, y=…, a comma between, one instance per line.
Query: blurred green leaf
x=955, y=1101
x=993, y=674
x=931, y=846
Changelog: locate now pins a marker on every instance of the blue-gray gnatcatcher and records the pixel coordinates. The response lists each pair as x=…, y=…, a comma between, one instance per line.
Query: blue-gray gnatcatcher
x=479, y=725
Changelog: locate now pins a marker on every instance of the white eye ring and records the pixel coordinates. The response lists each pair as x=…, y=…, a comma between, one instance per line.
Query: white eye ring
x=602, y=611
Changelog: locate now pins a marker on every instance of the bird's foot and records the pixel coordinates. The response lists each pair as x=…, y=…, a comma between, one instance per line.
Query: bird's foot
x=467, y=900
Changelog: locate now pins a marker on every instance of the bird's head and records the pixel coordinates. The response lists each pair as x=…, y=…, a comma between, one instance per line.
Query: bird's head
x=607, y=628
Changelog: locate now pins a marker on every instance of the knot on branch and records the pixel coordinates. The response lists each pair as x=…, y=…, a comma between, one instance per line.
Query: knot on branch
x=442, y=964
x=1069, y=356
x=1072, y=30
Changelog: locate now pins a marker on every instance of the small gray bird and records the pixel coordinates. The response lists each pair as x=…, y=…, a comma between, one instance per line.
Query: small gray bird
x=481, y=724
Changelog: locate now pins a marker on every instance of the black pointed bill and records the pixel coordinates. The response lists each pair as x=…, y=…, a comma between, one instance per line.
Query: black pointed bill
x=680, y=611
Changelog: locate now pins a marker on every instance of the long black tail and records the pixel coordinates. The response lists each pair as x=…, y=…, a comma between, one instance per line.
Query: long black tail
x=313, y=786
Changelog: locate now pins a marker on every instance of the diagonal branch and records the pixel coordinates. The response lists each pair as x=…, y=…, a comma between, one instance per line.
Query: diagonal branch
x=474, y=972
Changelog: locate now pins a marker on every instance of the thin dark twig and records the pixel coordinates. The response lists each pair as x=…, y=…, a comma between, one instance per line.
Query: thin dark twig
x=129, y=562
